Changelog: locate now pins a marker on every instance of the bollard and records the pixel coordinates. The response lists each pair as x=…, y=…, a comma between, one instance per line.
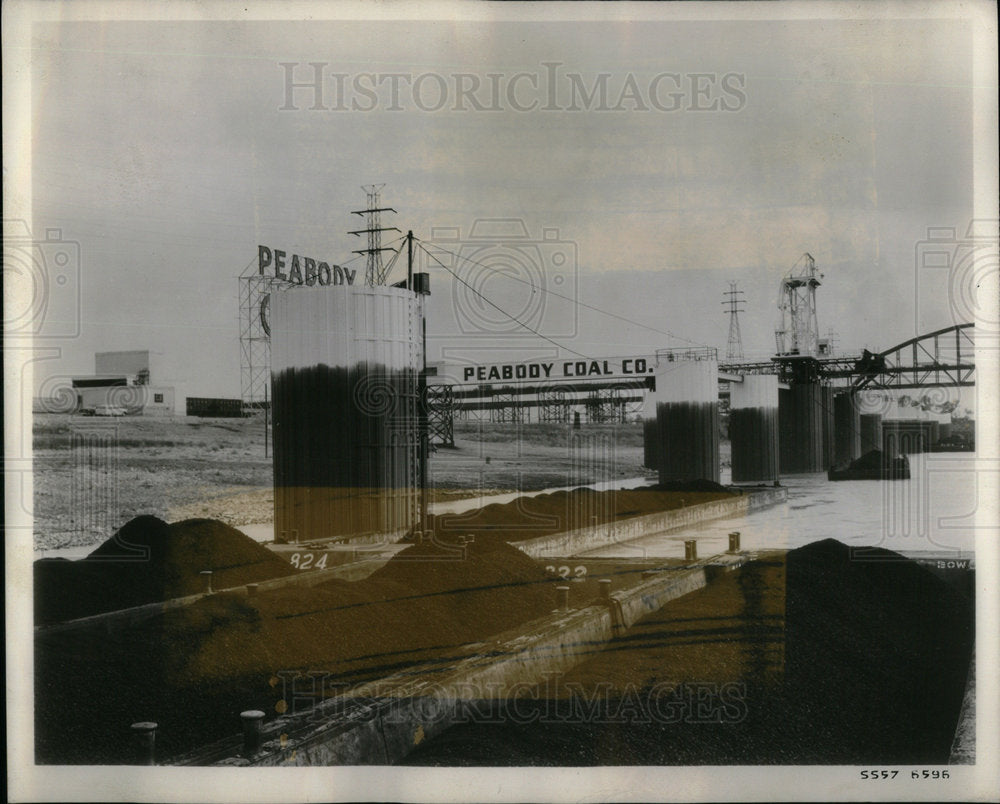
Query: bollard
x=691, y=550
x=252, y=589
x=563, y=597
x=251, y=731
x=604, y=589
x=207, y=577
x=734, y=542
x=144, y=734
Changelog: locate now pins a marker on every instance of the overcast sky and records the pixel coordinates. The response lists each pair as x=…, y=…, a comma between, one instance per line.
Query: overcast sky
x=719, y=151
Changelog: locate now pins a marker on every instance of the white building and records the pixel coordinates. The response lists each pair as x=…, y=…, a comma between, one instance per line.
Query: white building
x=125, y=380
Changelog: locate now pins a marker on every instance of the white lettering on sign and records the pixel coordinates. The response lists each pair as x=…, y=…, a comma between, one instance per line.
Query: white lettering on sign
x=302, y=270
x=629, y=366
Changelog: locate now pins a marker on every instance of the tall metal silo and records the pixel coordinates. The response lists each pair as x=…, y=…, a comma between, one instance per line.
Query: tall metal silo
x=753, y=428
x=345, y=371
x=802, y=428
x=687, y=420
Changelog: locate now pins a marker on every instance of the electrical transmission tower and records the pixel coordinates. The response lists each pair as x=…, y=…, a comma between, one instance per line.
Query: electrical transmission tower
x=734, y=348
x=374, y=270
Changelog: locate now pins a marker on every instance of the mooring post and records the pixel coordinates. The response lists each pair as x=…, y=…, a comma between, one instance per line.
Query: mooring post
x=690, y=550
x=144, y=735
x=206, y=576
x=563, y=592
x=734, y=542
x=252, y=721
x=604, y=589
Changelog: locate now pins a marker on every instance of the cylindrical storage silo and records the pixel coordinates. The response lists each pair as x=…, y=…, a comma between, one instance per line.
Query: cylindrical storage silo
x=753, y=428
x=871, y=432
x=650, y=436
x=846, y=429
x=687, y=420
x=829, y=439
x=345, y=371
x=801, y=431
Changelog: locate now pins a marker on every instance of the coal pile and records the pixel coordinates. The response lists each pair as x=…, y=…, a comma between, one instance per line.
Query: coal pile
x=873, y=465
x=878, y=652
x=149, y=561
x=545, y=514
x=194, y=669
x=830, y=656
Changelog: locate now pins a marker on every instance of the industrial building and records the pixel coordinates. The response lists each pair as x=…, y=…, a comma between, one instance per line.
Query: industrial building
x=124, y=383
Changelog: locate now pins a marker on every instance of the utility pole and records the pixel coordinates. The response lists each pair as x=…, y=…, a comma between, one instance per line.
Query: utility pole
x=409, y=260
x=374, y=270
x=734, y=347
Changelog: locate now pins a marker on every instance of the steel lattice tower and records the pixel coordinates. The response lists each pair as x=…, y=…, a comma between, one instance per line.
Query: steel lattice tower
x=798, y=333
x=734, y=347
x=255, y=338
x=374, y=270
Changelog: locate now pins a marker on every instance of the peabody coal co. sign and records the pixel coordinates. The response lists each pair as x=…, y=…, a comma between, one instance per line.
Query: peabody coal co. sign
x=628, y=367
x=301, y=270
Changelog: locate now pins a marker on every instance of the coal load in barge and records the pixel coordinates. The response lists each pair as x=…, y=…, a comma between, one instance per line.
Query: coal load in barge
x=192, y=669
x=826, y=655
x=874, y=465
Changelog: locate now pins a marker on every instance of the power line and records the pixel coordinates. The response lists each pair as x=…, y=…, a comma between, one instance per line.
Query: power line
x=573, y=301
x=500, y=309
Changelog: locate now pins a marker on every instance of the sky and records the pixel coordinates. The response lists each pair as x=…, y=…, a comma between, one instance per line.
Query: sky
x=163, y=153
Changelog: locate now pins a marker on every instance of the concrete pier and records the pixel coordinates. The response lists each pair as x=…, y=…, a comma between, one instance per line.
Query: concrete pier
x=829, y=427
x=753, y=429
x=687, y=418
x=846, y=429
x=801, y=430
x=871, y=432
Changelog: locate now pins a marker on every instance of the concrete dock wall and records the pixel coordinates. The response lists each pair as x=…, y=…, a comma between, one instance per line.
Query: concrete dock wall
x=593, y=537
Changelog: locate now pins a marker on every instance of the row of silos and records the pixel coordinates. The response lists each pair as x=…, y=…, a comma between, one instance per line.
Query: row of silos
x=681, y=424
x=801, y=428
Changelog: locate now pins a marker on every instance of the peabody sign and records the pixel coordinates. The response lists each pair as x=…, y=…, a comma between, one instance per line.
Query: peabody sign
x=629, y=366
x=302, y=270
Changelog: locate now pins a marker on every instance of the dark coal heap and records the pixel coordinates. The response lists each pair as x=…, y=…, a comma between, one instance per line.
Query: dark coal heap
x=149, y=561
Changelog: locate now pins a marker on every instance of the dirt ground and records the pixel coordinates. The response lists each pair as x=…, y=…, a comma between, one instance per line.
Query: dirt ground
x=92, y=475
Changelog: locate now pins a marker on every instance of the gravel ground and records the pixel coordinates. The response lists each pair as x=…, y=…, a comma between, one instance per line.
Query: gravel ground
x=92, y=475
